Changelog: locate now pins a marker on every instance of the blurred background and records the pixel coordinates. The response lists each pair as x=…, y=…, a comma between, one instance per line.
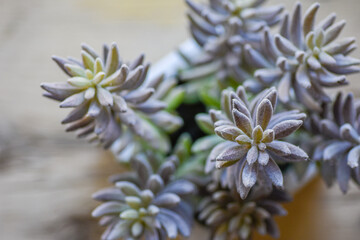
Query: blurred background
x=47, y=176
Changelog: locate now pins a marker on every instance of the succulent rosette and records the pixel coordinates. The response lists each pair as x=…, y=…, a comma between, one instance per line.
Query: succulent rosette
x=252, y=132
x=222, y=28
x=108, y=95
x=338, y=151
x=223, y=58
x=231, y=217
x=146, y=204
x=309, y=58
x=251, y=16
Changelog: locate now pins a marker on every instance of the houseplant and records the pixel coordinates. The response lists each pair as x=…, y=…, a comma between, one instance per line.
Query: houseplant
x=242, y=105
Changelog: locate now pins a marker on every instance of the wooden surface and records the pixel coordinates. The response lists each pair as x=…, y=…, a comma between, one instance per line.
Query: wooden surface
x=47, y=176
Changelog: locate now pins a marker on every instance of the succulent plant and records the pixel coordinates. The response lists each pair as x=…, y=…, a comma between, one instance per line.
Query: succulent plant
x=250, y=16
x=147, y=204
x=222, y=28
x=223, y=58
x=234, y=167
x=107, y=95
x=231, y=217
x=309, y=58
x=339, y=149
x=252, y=132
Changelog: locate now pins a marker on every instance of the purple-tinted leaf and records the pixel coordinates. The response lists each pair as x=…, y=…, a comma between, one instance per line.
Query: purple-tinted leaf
x=151, y=106
x=327, y=22
x=305, y=98
x=102, y=121
x=254, y=57
x=241, y=107
x=273, y=171
x=133, y=78
x=264, y=113
x=168, y=224
x=285, y=128
x=252, y=155
x=109, y=194
x=296, y=153
x=167, y=200
x=142, y=166
x=296, y=28
x=328, y=172
x=89, y=93
x=240, y=187
x=76, y=114
x=240, y=92
x=334, y=31
x=285, y=29
x=273, y=208
x=73, y=101
x=109, y=208
x=104, y=96
x=272, y=228
x=120, y=104
x=353, y=157
x=284, y=87
x=343, y=174
x=279, y=148
x=233, y=154
x=302, y=76
x=61, y=63
x=139, y=96
x=249, y=174
x=286, y=115
x=271, y=95
x=242, y=122
x=326, y=59
x=228, y=132
x=180, y=187
x=263, y=158
x=155, y=183
x=348, y=133
x=118, y=230
x=314, y=64
x=59, y=91
x=220, y=123
x=329, y=128
x=128, y=188
x=349, y=109
x=216, y=217
x=339, y=47
x=166, y=170
x=338, y=108
x=202, y=25
x=94, y=109
x=328, y=79
x=210, y=162
x=183, y=227
x=268, y=76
